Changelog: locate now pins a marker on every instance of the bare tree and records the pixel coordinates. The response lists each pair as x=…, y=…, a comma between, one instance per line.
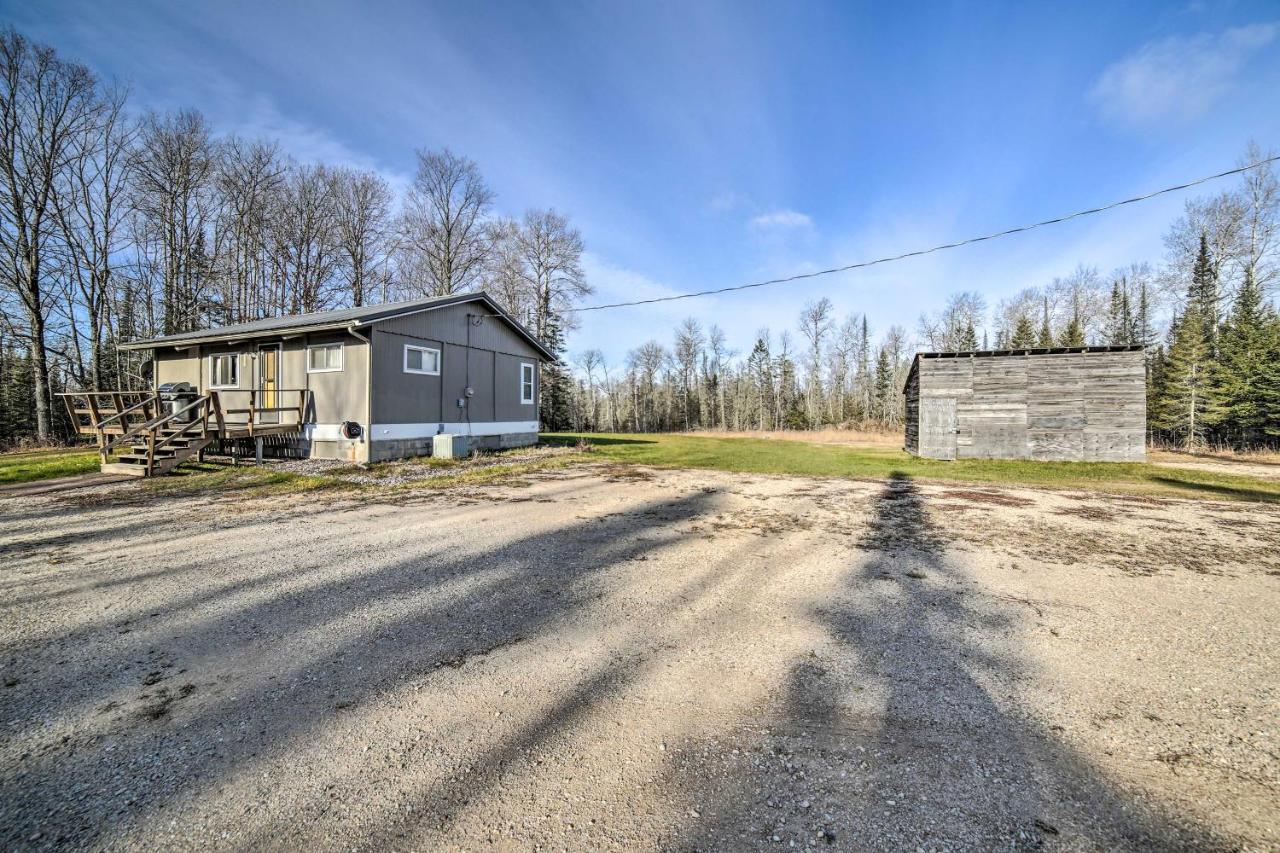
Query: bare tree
x=305, y=252
x=362, y=222
x=92, y=212
x=815, y=325
x=250, y=181
x=686, y=352
x=551, y=251
x=172, y=175
x=443, y=223
x=46, y=104
x=590, y=361
x=504, y=275
x=1260, y=227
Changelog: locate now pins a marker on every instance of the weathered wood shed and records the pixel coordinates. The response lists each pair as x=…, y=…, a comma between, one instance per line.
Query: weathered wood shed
x=1066, y=403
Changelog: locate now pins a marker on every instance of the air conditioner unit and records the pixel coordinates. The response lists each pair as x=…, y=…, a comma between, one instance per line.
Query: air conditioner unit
x=451, y=446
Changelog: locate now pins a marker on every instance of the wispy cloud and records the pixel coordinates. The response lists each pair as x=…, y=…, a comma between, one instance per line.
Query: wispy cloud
x=781, y=219
x=1178, y=78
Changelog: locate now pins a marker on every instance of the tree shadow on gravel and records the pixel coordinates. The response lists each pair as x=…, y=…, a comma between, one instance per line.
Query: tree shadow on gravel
x=903, y=733
x=170, y=710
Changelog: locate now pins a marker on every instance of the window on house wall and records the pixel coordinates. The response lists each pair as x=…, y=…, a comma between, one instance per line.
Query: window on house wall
x=224, y=370
x=324, y=358
x=527, y=373
x=421, y=360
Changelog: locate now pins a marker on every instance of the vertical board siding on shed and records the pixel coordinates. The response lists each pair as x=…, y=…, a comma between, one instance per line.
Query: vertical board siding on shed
x=992, y=421
x=911, y=443
x=1072, y=406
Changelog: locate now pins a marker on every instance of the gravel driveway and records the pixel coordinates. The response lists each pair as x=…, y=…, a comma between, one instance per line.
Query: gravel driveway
x=597, y=659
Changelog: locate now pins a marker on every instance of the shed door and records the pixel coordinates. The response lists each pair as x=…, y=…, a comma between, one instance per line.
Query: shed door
x=938, y=427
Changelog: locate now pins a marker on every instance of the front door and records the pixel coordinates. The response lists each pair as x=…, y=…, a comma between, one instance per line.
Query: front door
x=268, y=382
x=938, y=427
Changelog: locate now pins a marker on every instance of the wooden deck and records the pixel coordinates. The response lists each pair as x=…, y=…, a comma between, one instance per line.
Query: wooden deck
x=140, y=435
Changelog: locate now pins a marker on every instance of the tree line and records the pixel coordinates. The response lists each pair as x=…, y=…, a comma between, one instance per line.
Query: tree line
x=1205, y=313
x=116, y=226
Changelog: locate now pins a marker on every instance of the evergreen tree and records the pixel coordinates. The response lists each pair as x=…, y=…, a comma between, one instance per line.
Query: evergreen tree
x=1268, y=392
x=968, y=338
x=1156, y=388
x=1204, y=293
x=1024, y=334
x=884, y=384
x=1119, y=316
x=1240, y=375
x=1073, y=334
x=1143, y=333
x=1186, y=381
x=1046, y=331
x=556, y=389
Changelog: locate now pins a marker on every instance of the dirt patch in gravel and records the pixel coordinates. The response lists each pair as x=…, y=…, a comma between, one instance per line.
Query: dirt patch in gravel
x=661, y=660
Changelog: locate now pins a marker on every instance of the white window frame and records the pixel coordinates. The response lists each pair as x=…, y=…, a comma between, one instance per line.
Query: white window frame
x=424, y=351
x=531, y=383
x=341, y=357
x=213, y=376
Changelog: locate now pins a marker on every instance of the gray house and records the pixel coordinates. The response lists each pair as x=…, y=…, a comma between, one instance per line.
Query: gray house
x=1066, y=403
x=364, y=384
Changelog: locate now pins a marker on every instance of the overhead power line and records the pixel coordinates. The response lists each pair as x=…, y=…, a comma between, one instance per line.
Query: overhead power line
x=929, y=251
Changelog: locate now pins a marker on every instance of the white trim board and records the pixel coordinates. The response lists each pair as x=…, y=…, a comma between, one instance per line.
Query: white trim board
x=398, y=432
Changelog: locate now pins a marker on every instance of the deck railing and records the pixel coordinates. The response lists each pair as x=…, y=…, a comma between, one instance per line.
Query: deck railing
x=257, y=407
x=116, y=418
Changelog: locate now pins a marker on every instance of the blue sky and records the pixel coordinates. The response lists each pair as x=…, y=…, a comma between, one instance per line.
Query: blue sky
x=700, y=145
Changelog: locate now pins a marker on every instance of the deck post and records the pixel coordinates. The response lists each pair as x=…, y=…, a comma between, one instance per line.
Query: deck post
x=96, y=417
x=217, y=411
x=257, y=450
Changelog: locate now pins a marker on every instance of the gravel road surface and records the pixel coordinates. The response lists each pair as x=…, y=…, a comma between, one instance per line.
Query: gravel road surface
x=607, y=658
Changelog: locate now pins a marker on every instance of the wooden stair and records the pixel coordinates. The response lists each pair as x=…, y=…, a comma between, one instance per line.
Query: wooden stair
x=162, y=461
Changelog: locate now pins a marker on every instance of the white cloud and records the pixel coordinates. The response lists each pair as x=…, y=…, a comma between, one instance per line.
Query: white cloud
x=1179, y=77
x=781, y=219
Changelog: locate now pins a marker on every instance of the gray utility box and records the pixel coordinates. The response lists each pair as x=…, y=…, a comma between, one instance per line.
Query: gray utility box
x=451, y=445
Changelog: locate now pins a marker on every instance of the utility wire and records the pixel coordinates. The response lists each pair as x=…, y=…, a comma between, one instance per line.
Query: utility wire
x=919, y=252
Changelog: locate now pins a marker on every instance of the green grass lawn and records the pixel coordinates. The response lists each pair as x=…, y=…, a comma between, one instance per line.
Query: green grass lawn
x=764, y=456
x=34, y=465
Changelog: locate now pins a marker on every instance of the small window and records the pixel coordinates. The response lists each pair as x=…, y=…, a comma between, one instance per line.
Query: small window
x=324, y=358
x=421, y=360
x=527, y=373
x=224, y=371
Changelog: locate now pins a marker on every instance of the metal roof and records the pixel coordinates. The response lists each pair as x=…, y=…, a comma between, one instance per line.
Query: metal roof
x=987, y=353
x=342, y=318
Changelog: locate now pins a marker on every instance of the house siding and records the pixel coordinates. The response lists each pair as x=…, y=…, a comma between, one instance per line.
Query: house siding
x=398, y=411
x=418, y=405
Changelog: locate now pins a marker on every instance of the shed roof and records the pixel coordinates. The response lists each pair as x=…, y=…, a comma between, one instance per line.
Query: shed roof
x=342, y=318
x=989, y=353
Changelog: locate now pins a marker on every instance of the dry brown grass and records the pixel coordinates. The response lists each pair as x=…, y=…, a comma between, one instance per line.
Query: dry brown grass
x=849, y=437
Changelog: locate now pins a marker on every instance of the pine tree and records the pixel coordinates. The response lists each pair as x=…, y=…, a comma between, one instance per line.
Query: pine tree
x=1024, y=334
x=1046, y=331
x=1204, y=293
x=1156, y=388
x=1073, y=334
x=1186, y=381
x=1117, y=315
x=1268, y=392
x=968, y=338
x=884, y=384
x=1240, y=374
x=1143, y=334
x=556, y=389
